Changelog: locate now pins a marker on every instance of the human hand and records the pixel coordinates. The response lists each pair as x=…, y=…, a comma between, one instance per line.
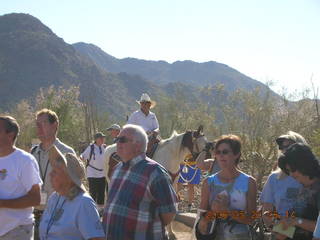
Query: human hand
x=287, y=222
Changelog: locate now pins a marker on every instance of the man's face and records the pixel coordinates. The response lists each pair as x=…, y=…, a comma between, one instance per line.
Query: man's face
x=114, y=133
x=285, y=144
x=6, y=139
x=100, y=141
x=145, y=106
x=45, y=129
x=127, y=148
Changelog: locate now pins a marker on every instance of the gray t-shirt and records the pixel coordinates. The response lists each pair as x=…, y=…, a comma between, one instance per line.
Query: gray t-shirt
x=42, y=158
x=281, y=192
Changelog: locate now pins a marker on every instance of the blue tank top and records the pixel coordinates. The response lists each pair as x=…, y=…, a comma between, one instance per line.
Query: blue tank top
x=236, y=190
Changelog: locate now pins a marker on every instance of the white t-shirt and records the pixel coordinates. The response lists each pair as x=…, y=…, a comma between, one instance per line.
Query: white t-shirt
x=19, y=171
x=148, y=123
x=97, y=161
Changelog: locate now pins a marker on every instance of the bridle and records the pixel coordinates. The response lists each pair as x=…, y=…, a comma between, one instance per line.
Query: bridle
x=195, y=151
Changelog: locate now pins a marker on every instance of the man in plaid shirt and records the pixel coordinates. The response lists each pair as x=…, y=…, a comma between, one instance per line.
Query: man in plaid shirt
x=141, y=200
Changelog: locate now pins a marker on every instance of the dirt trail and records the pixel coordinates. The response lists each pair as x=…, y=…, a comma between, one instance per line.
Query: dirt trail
x=181, y=231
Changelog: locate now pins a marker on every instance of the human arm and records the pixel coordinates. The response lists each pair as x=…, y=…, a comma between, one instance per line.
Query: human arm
x=204, y=206
x=31, y=199
x=164, y=196
x=203, y=163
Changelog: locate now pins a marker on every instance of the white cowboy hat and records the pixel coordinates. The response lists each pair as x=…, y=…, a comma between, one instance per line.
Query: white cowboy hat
x=145, y=98
x=74, y=166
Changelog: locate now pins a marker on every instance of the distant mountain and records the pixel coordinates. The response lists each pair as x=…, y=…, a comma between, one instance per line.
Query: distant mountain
x=161, y=72
x=32, y=56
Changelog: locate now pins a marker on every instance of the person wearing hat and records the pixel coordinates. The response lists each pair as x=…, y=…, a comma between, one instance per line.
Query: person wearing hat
x=146, y=119
x=70, y=213
x=114, y=130
x=94, y=156
x=280, y=191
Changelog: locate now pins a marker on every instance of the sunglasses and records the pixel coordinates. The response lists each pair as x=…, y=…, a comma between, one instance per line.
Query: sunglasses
x=121, y=139
x=283, y=147
x=223, y=152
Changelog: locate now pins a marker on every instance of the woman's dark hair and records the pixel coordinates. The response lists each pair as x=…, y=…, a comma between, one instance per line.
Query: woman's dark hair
x=299, y=157
x=233, y=141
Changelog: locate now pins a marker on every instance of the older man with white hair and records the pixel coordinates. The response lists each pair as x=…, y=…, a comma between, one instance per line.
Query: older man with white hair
x=141, y=200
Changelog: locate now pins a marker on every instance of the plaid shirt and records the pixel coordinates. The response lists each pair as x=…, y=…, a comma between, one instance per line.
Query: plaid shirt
x=140, y=191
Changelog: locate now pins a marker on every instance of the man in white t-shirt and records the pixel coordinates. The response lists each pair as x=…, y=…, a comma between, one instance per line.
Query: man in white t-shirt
x=94, y=155
x=147, y=120
x=20, y=184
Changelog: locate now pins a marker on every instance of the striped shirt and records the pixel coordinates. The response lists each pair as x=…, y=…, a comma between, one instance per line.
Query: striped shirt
x=140, y=191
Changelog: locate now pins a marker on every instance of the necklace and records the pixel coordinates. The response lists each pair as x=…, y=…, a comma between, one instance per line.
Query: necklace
x=56, y=214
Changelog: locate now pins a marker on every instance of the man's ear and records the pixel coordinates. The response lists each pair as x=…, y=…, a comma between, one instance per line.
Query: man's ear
x=11, y=135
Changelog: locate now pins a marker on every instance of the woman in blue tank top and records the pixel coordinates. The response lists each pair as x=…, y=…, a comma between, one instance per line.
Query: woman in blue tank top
x=228, y=196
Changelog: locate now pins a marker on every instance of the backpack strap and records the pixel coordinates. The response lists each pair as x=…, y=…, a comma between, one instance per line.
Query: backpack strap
x=91, y=154
x=33, y=149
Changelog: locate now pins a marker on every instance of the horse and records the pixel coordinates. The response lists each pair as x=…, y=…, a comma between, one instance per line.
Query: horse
x=169, y=153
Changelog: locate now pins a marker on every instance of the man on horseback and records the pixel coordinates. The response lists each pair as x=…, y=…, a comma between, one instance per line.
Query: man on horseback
x=147, y=120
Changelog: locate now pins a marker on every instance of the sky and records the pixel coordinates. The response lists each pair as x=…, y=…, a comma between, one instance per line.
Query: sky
x=274, y=41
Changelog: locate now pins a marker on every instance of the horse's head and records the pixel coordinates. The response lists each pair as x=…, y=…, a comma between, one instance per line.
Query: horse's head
x=195, y=141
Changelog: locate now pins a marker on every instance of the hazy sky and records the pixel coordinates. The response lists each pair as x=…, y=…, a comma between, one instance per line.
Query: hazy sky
x=277, y=40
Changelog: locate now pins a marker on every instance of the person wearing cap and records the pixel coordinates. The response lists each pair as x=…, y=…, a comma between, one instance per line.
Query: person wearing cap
x=280, y=191
x=20, y=184
x=70, y=213
x=114, y=130
x=147, y=120
x=141, y=200
x=94, y=156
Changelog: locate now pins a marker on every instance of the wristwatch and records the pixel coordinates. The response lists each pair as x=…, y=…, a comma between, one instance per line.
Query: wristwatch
x=299, y=221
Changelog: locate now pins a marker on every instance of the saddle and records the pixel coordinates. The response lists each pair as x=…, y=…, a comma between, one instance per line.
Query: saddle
x=152, y=145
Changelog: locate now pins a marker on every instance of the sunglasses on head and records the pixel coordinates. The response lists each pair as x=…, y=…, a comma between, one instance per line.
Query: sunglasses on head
x=121, y=139
x=223, y=152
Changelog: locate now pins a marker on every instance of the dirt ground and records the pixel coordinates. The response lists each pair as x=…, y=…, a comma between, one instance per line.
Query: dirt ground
x=181, y=231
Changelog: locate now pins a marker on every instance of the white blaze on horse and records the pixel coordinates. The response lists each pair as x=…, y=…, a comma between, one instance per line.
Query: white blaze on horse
x=169, y=153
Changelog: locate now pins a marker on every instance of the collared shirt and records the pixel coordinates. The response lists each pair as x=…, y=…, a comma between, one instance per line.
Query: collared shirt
x=97, y=161
x=140, y=191
x=42, y=158
x=147, y=122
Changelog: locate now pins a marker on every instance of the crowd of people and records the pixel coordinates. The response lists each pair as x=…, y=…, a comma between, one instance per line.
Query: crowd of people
x=43, y=194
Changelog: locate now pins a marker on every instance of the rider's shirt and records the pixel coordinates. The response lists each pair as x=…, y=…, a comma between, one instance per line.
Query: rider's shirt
x=148, y=123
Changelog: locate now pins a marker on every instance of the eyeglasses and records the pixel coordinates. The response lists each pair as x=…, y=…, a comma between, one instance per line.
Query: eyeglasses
x=223, y=152
x=283, y=147
x=121, y=139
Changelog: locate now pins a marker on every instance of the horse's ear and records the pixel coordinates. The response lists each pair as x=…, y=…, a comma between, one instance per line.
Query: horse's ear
x=200, y=129
x=198, y=132
x=187, y=140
